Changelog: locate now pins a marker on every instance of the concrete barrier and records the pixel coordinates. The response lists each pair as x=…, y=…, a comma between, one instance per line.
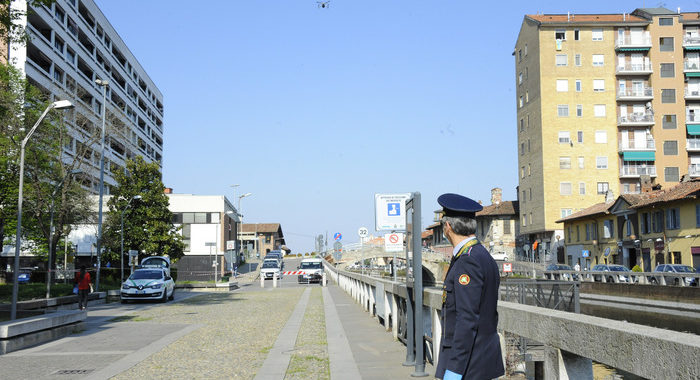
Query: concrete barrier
x=21, y=333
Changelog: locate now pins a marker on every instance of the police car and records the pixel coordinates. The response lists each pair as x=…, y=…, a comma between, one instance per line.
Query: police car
x=150, y=282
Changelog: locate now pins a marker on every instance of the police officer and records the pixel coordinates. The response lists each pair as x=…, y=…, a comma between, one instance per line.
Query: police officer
x=470, y=346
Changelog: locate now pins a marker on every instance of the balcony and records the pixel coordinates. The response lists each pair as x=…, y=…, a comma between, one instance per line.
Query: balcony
x=634, y=94
x=691, y=66
x=691, y=42
x=692, y=144
x=636, y=120
x=632, y=145
x=693, y=117
x=634, y=69
x=692, y=94
x=694, y=170
x=634, y=171
x=633, y=43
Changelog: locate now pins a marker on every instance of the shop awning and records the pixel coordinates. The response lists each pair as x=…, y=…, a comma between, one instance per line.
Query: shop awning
x=638, y=156
x=691, y=47
x=693, y=129
x=693, y=74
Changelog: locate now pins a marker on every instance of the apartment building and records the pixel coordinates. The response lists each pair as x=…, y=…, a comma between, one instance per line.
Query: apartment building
x=72, y=45
x=605, y=102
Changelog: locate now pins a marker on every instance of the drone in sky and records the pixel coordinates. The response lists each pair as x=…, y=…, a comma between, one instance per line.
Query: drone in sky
x=324, y=4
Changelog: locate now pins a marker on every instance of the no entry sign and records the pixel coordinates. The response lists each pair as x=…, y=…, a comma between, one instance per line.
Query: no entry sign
x=393, y=242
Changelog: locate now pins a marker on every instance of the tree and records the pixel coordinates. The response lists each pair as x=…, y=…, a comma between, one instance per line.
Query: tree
x=11, y=31
x=148, y=225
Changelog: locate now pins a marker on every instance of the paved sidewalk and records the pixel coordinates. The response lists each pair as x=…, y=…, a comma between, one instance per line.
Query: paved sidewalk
x=375, y=352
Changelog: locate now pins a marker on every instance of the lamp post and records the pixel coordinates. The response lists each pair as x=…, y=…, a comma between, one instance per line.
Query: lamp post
x=103, y=83
x=241, y=215
x=121, y=256
x=61, y=104
x=48, y=265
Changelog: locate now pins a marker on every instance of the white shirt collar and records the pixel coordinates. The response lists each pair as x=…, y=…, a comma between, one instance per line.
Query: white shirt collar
x=461, y=244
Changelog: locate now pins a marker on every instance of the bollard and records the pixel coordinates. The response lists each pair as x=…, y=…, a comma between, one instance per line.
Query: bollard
x=262, y=280
x=324, y=278
x=274, y=280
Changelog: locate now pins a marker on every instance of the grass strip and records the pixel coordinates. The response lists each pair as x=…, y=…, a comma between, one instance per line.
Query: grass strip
x=310, y=359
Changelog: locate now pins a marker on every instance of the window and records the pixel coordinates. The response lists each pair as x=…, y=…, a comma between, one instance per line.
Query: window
x=579, y=137
x=564, y=162
x=561, y=60
x=524, y=196
x=599, y=110
x=59, y=14
x=524, y=220
x=579, y=110
x=520, y=78
x=522, y=172
x=601, y=137
x=669, y=122
x=588, y=232
x=522, y=125
x=562, y=85
x=697, y=215
x=530, y=218
x=580, y=162
x=527, y=96
x=665, y=21
x=668, y=70
x=673, y=219
x=566, y=212
x=520, y=102
x=577, y=59
x=564, y=137
x=582, y=188
x=598, y=85
x=666, y=44
x=657, y=221
x=578, y=233
x=598, y=59
x=522, y=148
x=601, y=162
x=560, y=34
x=608, y=229
x=597, y=34
x=602, y=187
x=526, y=50
x=563, y=110
x=671, y=148
x=528, y=169
x=671, y=174
x=577, y=34
x=645, y=223
x=520, y=55
x=530, y=192
x=578, y=85
x=506, y=227
x=58, y=43
x=668, y=95
x=57, y=74
x=565, y=188
x=628, y=227
x=70, y=55
x=528, y=145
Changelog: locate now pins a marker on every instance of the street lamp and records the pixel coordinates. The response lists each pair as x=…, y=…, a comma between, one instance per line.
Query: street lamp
x=121, y=256
x=241, y=197
x=61, y=104
x=103, y=83
x=53, y=195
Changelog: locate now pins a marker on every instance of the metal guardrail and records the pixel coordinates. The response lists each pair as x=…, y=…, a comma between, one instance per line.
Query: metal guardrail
x=643, y=278
x=557, y=295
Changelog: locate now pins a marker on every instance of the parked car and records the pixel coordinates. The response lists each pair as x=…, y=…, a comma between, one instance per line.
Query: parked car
x=313, y=269
x=499, y=256
x=558, y=267
x=673, y=271
x=270, y=268
x=148, y=283
x=277, y=256
x=611, y=276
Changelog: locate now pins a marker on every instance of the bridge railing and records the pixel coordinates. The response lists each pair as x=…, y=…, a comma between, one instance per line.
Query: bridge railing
x=570, y=340
x=644, y=278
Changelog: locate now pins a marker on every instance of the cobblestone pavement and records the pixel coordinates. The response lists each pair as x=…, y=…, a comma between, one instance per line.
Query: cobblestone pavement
x=310, y=358
x=238, y=329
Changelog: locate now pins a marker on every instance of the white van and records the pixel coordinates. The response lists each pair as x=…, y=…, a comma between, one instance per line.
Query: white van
x=313, y=271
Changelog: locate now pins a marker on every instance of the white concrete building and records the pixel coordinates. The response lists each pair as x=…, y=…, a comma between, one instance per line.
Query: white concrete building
x=72, y=45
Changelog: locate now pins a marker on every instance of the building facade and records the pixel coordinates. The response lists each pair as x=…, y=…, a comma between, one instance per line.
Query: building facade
x=72, y=44
x=647, y=229
x=260, y=238
x=604, y=102
x=498, y=226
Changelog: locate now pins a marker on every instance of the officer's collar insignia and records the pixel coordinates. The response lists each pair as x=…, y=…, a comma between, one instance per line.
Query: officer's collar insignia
x=464, y=279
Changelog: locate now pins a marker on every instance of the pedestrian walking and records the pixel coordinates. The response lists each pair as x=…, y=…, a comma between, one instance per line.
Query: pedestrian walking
x=577, y=267
x=470, y=347
x=84, y=284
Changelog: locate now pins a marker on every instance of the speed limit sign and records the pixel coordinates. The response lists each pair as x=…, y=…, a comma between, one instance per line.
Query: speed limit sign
x=363, y=232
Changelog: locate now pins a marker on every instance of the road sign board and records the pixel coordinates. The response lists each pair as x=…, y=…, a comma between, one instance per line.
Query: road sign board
x=230, y=245
x=508, y=267
x=337, y=236
x=390, y=211
x=133, y=253
x=363, y=232
x=393, y=242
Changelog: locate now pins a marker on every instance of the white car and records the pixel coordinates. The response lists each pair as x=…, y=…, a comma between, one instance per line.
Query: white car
x=148, y=283
x=313, y=271
x=270, y=268
x=499, y=256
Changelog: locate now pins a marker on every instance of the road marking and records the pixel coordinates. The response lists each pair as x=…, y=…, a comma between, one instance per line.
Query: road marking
x=342, y=362
x=277, y=361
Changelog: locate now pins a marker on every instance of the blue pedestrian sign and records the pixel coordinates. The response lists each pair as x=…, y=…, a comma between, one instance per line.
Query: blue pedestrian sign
x=585, y=253
x=393, y=209
x=337, y=236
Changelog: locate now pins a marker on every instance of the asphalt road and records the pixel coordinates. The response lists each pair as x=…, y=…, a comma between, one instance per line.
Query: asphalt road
x=252, y=281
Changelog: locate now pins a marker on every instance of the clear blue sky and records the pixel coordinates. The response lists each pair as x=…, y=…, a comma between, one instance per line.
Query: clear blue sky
x=315, y=110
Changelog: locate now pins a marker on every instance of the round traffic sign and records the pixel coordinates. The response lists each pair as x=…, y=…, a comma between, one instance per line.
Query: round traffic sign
x=337, y=236
x=394, y=238
x=363, y=232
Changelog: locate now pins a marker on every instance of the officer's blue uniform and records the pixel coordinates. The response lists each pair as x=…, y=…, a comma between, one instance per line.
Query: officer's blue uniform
x=470, y=345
